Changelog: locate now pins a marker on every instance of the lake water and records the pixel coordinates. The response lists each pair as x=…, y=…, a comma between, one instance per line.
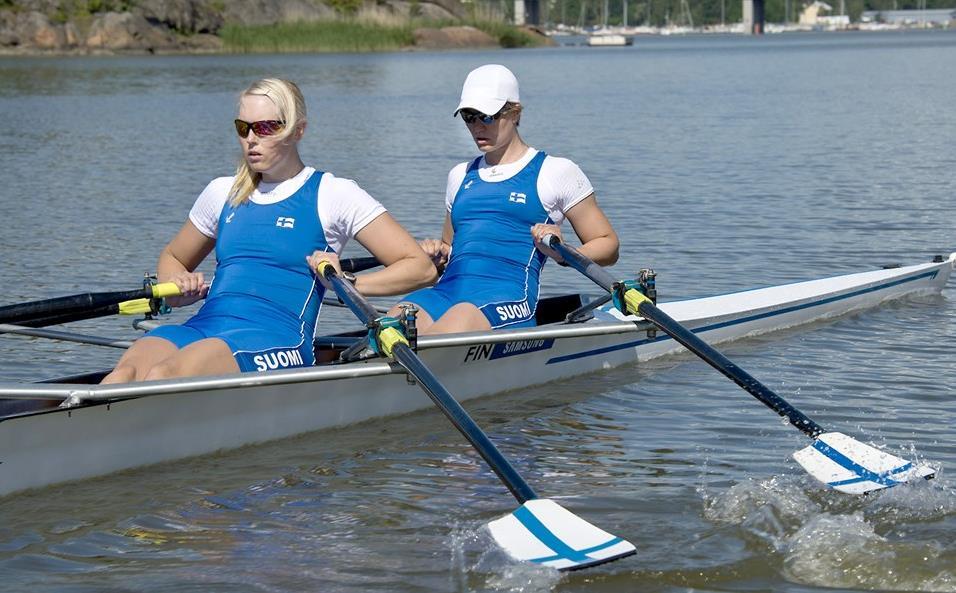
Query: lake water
x=724, y=162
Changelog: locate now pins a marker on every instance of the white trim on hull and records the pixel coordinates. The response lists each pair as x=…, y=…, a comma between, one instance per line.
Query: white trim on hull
x=161, y=421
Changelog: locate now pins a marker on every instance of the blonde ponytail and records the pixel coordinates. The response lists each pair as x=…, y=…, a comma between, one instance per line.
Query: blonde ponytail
x=290, y=103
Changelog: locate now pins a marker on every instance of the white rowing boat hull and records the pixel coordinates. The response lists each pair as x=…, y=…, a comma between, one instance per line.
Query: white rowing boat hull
x=119, y=427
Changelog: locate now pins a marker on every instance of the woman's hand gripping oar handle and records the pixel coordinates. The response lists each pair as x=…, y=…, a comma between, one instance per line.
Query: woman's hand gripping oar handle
x=540, y=530
x=145, y=305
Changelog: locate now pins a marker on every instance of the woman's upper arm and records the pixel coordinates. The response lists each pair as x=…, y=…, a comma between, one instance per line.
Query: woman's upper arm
x=387, y=240
x=448, y=231
x=189, y=247
x=589, y=221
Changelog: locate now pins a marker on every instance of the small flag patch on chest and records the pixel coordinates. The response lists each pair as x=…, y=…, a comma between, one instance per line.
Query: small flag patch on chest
x=285, y=222
x=518, y=198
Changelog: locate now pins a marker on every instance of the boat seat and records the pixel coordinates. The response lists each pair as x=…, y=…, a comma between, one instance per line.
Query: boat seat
x=555, y=309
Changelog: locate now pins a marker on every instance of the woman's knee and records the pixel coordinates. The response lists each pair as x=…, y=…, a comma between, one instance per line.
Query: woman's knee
x=123, y=373
x=162, y=370
x=463, y=317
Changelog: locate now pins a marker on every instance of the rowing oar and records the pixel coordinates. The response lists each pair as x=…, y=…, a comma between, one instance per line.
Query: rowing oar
x=70, y=308
x=837, y=460
x=540, y=530
x=88, y=305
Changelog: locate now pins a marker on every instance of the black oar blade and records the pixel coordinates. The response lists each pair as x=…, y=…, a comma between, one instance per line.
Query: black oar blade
x=543, y=532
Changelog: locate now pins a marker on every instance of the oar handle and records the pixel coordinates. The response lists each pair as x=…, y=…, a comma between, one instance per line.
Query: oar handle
x=163, y=290
x=638, y=304
x=430, y=384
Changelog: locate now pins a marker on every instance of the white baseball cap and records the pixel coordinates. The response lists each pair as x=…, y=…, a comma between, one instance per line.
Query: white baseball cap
x=488, y=88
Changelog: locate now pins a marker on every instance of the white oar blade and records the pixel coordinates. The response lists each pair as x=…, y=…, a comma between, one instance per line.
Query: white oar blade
x=847, y=465
x=543, y=532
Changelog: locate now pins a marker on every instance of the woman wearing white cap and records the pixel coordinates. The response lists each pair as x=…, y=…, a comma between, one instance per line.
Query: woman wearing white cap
x=499, y=207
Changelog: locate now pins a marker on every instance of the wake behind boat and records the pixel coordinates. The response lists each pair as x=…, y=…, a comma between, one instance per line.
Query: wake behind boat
x=125, y=426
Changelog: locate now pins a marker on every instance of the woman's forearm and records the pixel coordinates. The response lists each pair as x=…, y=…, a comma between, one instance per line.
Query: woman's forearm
x=405, y=275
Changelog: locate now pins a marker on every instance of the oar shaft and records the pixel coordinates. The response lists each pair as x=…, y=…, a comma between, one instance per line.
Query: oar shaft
x=354, y=301
x=64, y=336
x=79, y=303
x=430, y=384
x=730, y=370
x=69, y=317
x=685, y=337
x=64, y=305
x=452, y=410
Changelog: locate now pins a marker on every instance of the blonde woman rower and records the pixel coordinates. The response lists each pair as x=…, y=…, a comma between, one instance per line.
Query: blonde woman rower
x=270, y=224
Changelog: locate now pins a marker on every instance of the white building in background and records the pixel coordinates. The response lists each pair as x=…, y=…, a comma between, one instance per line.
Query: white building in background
x=812, y=16
x=519, y=13
x=936, y=16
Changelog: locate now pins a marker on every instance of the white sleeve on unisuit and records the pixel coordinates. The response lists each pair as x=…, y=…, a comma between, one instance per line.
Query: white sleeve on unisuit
x=561, y=185
x=205, y=212
x=344, y=209
x=455, y=177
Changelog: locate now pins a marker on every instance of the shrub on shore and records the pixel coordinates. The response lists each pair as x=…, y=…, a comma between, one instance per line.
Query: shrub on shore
x=316, y=36
x=351, y=35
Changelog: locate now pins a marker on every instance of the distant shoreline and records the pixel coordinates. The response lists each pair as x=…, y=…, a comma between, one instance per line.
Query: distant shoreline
x=336, y=36
x=129, y=34
x=738, y=29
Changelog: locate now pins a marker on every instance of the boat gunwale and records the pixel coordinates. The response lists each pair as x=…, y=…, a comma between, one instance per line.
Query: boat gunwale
x=75, y=395
x=81, y=394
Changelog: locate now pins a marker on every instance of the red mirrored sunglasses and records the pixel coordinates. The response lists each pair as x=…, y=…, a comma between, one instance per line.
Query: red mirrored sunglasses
x=262, y=128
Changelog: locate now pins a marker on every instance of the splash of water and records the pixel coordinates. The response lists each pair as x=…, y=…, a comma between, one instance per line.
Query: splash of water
x=845, y=551
x=494, y=570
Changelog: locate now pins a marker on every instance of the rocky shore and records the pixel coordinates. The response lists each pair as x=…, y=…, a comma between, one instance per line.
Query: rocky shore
x=30, y=27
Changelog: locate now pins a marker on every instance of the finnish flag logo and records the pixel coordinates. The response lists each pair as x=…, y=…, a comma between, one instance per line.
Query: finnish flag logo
x=517, y=198
x=285, y=222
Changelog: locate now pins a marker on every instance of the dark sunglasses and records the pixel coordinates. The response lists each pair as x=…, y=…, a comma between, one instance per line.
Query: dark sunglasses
x=471, y=116
x=262, y=128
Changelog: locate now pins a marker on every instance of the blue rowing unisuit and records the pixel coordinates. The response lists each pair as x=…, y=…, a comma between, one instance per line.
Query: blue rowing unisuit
x=494, y=264
x=264, y=300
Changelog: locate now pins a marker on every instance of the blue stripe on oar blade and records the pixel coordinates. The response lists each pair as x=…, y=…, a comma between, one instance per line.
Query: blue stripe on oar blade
x=563, y=551
x=612, y=542
x=543, y=532
x=548, y=538
x=863, y=474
